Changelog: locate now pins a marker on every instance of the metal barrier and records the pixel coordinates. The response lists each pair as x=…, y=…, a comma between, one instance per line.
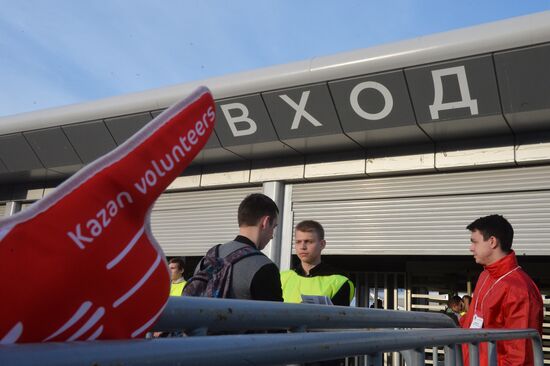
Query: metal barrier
x=272, y=349
x=196, y=315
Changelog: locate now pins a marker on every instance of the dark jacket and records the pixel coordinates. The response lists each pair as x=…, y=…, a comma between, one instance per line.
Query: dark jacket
x=255, y=277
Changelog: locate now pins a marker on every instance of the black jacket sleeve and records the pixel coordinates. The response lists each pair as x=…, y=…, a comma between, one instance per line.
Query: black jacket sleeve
x=266, y=284
x=342, y=296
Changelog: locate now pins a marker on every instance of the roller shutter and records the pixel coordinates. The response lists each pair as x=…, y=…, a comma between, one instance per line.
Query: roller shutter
x=427, y=214
x=2, y=209
x=188, y=223
x=25, y=205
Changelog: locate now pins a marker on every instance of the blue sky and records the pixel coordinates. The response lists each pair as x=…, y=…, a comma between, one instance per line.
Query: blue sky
x=60, y=52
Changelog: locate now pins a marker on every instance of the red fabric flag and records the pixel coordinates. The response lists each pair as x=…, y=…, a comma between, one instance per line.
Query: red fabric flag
x=82, y=263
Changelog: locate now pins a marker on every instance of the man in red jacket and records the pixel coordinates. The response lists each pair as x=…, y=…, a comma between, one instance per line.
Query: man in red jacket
x=505, y=296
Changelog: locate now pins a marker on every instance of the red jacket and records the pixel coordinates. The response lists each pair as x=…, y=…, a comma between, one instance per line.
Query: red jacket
x=506, y=297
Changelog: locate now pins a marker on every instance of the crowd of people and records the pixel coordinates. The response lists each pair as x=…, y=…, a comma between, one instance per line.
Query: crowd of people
x=505, y=296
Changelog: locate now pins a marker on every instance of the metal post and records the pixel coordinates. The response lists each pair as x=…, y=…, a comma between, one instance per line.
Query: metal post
x=435, y=356
x=375, y=359
x=385, y=306
x=408, y=284
x=458, y=354
x=386, y=296
x=275, y=190
x=375, y=290
x=12, y=208
x=286, y=224
x=414, y=357
x=396, y=361
x=492, y=353
x=364, y=290
x=473, y=354
x=450, y=357
x=538, y=356
x=395, y=292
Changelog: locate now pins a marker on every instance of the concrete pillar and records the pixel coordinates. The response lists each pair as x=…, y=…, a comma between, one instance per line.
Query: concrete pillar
x=275, y=190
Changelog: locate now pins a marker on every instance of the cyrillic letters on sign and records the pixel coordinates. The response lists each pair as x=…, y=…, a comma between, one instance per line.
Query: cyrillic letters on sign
x=354, y=100
x=243, y=118
x=300, y=110
x=465, y=102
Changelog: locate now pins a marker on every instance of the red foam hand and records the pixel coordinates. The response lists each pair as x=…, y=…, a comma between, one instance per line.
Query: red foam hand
x=82, y=262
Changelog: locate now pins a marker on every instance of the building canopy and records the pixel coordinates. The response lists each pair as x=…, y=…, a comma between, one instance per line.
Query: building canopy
x=484, y=84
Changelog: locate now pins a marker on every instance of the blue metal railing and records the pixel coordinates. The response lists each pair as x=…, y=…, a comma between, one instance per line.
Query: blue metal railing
x=198, y=316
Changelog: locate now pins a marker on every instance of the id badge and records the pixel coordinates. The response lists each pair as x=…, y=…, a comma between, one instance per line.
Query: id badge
x=477, y=322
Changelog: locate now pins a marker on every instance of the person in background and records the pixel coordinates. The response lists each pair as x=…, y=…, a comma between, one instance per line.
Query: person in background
x=177, y=282
x=378, y=304
x=456, y=305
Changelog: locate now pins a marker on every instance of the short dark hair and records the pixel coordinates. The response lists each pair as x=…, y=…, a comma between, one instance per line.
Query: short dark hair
x=308, y=226
x=454, y=300
x=497, y=226
x=179, y=261
x=254, y=207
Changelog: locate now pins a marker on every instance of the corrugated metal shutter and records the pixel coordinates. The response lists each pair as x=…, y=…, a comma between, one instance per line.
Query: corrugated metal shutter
x=25, y=205
x=188, y=223
x=2, y=210
x=427, y=214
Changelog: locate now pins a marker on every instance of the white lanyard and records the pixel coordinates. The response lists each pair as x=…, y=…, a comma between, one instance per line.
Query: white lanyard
x=490, y=288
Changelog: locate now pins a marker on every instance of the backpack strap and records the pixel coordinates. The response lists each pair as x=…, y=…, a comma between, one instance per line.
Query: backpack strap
x=241, y=253
x=216, y=250
x=211, y=253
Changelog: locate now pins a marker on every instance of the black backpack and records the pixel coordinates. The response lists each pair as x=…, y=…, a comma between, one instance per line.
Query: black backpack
x=213, y=279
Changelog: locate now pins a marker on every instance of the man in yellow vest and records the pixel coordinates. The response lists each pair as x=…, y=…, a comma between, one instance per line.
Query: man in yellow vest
x=177, y=283
x=176, y=267
x=313, y=277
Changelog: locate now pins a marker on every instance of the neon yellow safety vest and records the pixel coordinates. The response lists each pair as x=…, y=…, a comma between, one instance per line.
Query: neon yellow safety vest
x=177, y=288
x=295, y=285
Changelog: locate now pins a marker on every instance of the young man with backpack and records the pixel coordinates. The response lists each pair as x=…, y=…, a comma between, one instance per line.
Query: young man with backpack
x=238, y=269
